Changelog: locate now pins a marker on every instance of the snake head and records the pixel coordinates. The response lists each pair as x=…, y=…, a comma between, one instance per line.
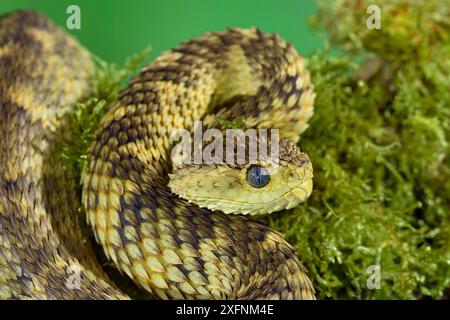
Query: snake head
x=257, y=188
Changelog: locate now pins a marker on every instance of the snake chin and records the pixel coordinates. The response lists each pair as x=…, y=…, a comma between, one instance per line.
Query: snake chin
x=226, y=188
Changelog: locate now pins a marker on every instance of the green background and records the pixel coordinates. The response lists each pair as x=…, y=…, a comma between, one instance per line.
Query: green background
x=115, y=29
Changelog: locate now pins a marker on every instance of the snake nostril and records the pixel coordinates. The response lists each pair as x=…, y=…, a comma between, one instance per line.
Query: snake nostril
x=292, y=177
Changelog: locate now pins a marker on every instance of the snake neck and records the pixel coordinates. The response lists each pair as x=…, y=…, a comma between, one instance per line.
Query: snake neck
x=170, y=247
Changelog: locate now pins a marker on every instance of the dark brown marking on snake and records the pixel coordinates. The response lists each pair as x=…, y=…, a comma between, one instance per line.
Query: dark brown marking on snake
x=31, y=219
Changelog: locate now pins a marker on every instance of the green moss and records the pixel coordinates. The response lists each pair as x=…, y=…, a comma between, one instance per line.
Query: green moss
x=379, y=145
x=229, y=124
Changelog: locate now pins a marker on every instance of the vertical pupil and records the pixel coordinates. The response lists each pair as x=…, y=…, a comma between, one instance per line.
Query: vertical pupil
x=258, y=175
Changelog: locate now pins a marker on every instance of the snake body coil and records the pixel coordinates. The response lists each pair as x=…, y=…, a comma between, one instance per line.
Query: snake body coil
x=172, y=247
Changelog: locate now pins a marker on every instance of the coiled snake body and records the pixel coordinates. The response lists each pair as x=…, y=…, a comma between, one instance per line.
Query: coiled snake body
x=198, y=245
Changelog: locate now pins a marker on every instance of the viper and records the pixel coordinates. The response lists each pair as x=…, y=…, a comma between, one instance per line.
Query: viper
x=178, y=230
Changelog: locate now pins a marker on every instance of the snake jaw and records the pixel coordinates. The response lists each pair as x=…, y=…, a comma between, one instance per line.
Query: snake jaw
x=226, y=189
x=304, y=191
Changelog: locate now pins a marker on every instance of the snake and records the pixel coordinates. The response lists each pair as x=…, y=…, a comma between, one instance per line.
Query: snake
x=185, y=231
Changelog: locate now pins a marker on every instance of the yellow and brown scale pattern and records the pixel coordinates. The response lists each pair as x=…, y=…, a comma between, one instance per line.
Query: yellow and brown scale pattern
x=43, y=71
x=170, y=247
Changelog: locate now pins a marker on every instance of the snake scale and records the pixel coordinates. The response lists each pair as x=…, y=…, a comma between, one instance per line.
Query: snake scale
x=149, y=226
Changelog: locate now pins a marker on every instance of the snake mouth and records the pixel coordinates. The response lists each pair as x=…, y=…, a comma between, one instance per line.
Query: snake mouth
x=301, y=192
x=304, y=190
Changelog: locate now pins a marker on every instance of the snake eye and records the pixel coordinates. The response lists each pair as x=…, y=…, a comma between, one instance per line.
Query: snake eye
x=257, y=176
